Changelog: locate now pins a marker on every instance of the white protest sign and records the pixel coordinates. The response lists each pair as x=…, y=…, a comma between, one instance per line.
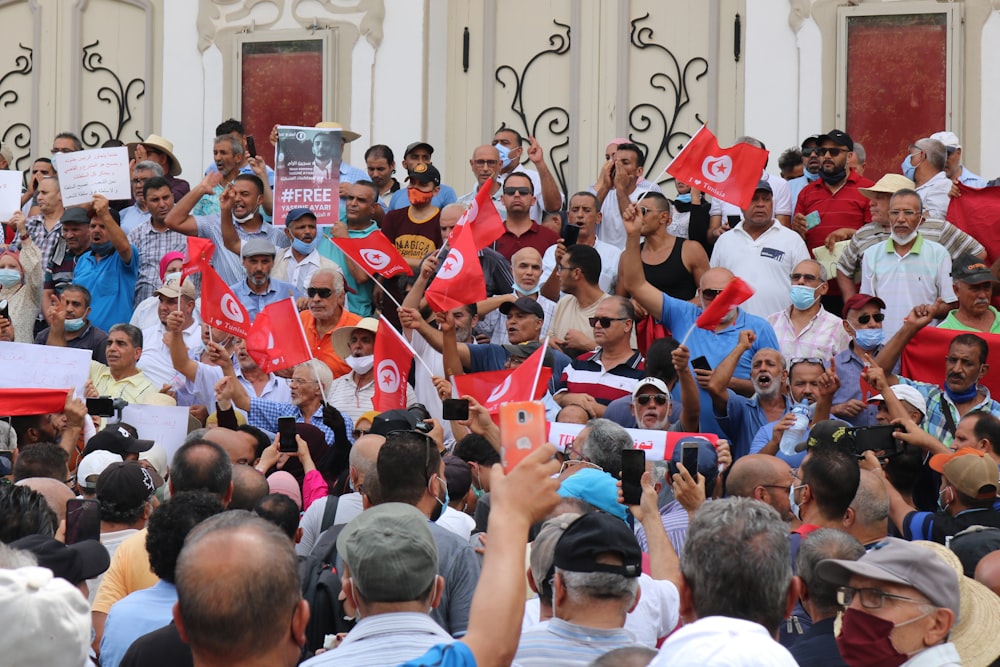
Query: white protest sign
x=10, y=193
x=101, y=171
x=658, y=445
x=43, y=367
x=166, y=424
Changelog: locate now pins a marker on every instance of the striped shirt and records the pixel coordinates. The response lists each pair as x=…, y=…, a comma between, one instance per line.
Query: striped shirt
x=152, y=246
x=587, y=375
x=384, y=639
x=954, y=240
x=264, y=415
x=560, y=642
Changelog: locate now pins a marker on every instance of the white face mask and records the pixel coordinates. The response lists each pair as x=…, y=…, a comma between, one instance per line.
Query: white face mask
x=361, y=365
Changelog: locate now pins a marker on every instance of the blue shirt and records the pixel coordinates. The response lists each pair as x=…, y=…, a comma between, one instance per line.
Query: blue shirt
x=679, y=316
x=112, y=286
x=741, y=421
x=445, y=655
x=277, y=290
x=264, y=415
x=446, y=195
x=360, y=302
x=133, y=616
x=764, y=435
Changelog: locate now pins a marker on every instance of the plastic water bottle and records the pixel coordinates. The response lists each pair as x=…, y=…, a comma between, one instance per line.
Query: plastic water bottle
x=797, y=433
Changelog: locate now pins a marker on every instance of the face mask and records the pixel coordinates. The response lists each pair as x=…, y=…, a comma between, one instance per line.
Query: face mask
x=868, y=339
x=439, y=510
x=834, y=178
x=962, y=396
x=803, y=296
x=534, y=290
x=102, y=249
x=170, y=276
x=686, y=198
x=360, y=365
x=907, y=168
x=903, y=240
x=864, y=640
x=477, y=488
x=419, y=197
x=75, y=324
x=811, y=176
x=304, y=248
x=942, y=506
x=791, y=501
x=350, y=483
x=504, y=156
x=10, y=277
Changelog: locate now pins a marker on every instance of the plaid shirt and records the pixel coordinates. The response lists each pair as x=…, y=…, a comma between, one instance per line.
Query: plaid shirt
x=937, y=402
x=264, y=415
x=44, y=239
x=152, y=246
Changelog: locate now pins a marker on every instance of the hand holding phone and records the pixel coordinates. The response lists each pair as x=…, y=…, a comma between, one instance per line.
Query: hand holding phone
x=83, y=520
x=570, y=234
x=455, y=409
x=633, y=466
x=701, y=364
x=689, y=458
x=251, y=146
x=286, y=435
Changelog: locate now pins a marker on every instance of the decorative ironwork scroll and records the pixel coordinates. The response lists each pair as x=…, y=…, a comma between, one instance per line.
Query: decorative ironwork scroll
x=121, y=96
x=18, y=134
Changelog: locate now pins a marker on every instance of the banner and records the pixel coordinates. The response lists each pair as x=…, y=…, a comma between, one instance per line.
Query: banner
x=276, y=339
x=393, y=359
x=43, y=367
x=658, y=445
x=483, y=217
x=164, y=424
x=307, y=173
x=977, y=212
x=219, y=306
x=10, y=193
x=17, y=402
x=375, y=254
x=729, y=174
x=923, y=357
x=459, y=280
x=100, y=171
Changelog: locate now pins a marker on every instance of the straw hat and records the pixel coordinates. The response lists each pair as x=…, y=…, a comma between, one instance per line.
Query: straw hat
x=341, y=338
x=347, y=135
x=164, y=146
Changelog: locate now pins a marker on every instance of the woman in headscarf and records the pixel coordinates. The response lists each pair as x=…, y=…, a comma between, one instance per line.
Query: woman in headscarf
x=21, y=282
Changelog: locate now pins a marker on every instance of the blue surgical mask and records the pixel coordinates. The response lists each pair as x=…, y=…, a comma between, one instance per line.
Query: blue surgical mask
x=170, y=276
x=942, y=506
x=304, y=248
x=907, y=168
x=504, y=155
x=868, y=339
x=791, y=501
x=74, y=324
x=803, y=296
x=534, y=290
x=10, y=277
x=811, y=176
x=102, y=249
x=686, y=198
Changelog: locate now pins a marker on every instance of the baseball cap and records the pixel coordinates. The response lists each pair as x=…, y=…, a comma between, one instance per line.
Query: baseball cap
x=258, y=246
x=297, y=213
x=544, y=546
x=458, y=476
x=859, y=301
x=888, y=184
x=526, y=305
x=74, y=215
x=73, y=562
x=391, y=553
x=971, y=270
x=595, y=487
x=811, y=139
x=828, y=431
x=838, y=137
x=899, y=562
x=905, y=392
x=949, y=139
x=659, y=384
x=763, y=185
x=386, y=422
x=41, y=605
x=424, y=173
x=92, y=465
x=418, y=144
x=592, y=535
x=126, y=485
x=116, y=438
x=969, y=470
x=174, y=288
x=341, y=338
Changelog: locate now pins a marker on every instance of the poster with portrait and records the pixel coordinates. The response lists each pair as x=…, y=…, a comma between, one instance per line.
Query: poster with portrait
x=307, y=172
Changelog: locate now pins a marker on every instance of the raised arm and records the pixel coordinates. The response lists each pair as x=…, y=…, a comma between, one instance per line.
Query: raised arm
x=551, y=196
x=267, y=195
x=663, y=560
x=180, y=219
x=179, y=357
x=630, y=266
x=718, y=386
x=918, y=318
x=230, y=238
x=690, y=401
x=118, y=239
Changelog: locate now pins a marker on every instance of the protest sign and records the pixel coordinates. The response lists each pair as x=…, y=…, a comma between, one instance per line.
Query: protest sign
x=658, y=445
x=10, y=193
x=101, y=171
x=44, y=367
x=307, y=173
x=165, y=424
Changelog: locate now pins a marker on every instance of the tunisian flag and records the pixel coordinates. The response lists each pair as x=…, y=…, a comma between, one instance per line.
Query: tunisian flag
x=199, y=254
x=736, y=292
x=376, y=254
x=923, y=357
x=459, y=279
x=482, y=216
x=730, y=174
x=219, y=306
x=977, y=213
x=20, y=402
x=527, y=382
x=393, y=359
x=276, y=339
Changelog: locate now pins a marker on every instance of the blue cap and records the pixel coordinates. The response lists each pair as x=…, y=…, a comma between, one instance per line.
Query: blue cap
x=596, y=487
x=297, y=213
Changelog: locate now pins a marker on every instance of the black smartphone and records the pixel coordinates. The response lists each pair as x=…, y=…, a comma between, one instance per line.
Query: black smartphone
x=83, y=520
x=251, y=146
x=689, y=458
x=570, y=234
x=4, y=311
x=879, y=438
x=633, y=465
x=455, y=409
x=103, y=406
x=286, y=435
x=701, y=364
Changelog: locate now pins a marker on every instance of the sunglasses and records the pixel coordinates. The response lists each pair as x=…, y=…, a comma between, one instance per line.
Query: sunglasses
x=832, y=152
x=605, y=322
x=660, y=399
x=711, y=293
x=358, y=432
x=867, y=317
x=806, y=360
x=806, y=152
x=519, y=190
x=321, y=292
x=645, y=210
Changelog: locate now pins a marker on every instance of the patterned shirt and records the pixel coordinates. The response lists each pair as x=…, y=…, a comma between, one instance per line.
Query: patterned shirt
x=587, y=375
x=937, y=402
x=229, y=265
x=152, y=246
x=955, y=241
x=264, y=415
x=560, y=642
x=822, y=337
x=43, y=238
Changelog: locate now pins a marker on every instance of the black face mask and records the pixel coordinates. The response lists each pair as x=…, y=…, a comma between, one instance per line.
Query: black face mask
x=835, y=178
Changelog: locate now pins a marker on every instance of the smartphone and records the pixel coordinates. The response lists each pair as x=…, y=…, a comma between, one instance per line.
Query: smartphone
x=456, y=409
x=879, y=438
x=522, y=431
x=633, y=465
x=286, y=435
x=83, y=520
x=689, y=458
x=701, y=364
x=4, y=311
x=251, y=146
x=570, y=234
x=103, y=406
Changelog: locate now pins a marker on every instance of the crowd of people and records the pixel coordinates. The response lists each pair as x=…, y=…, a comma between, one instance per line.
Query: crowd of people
x=839, y=511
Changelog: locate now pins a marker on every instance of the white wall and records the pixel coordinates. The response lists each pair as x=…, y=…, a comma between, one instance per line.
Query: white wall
x=183, y=89
x=989, y=159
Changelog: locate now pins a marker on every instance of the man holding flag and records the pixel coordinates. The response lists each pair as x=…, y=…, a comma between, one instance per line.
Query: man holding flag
x=711, y=339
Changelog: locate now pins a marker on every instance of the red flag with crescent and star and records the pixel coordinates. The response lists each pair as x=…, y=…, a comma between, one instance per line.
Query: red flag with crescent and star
x=199, y=254
x=376, y=254
x=219, y=306
x=729, y=174
x=459, y=280
x=393, y=359
x=276, y=339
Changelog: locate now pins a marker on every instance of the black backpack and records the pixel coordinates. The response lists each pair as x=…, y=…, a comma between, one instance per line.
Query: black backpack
x=321, y=584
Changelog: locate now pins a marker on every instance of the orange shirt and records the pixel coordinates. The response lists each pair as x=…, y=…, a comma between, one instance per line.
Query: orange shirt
x=322, y=347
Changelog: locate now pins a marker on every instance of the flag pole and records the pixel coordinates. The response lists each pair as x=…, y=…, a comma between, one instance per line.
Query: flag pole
x=538, y=369
x=370, y=276
x=405, y=342
x=688, y=334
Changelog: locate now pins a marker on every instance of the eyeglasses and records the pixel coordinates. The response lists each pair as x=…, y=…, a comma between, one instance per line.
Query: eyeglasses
x=807, y=152
x=605, y=322
x=358, y=432
x=660, y=399
x=786, y=488
x=577, y=462
x=832, y=152
x=909, y=212
x=321, y=292
x=62, y=150
x=808, y=277
x=522, y=190
x=297, y=381
x=486, y=163
x=806, y=360
x=137, y=181
x=711, y=293
x=871, y=598
x=566, y=268
x=867, y=317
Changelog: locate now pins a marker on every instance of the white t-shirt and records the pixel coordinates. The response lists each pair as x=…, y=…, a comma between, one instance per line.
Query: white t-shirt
x=609, y=264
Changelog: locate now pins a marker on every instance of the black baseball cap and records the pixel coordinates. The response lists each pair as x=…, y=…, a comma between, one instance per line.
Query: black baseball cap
x=593, y=535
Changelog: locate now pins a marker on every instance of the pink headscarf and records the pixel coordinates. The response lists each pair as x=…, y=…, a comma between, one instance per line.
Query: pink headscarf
x=282, y=482
x=17, y=258
x=169, y=257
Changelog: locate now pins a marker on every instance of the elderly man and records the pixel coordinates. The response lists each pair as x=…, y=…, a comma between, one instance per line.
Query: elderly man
x=109, y=269
x=160, y=151
x=156, y=362
x=973, y=285
x=526, y=267
x=326, y=312
x=652, y=404
x=485, y=164
x=806, y=328
x=953, y=167
x=152, y=238
x=907, y=269
x=863, y=324
x=259, y=289
x=45, y=227
x=763, y=252
x=924, y=164
x=867, y=518
x=765, y=478
x=585, y=213
x=900, y=600
x=134, y=215
x=121, y=378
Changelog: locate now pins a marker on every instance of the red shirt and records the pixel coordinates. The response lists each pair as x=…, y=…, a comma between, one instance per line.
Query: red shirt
x=537, y=237
x=846, y=207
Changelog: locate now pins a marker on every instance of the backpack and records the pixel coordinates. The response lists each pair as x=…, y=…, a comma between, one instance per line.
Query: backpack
x=321, y=585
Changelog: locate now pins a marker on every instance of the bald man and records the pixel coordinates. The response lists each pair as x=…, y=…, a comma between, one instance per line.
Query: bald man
x=988, y=571
x=526, y=266
x=765, y=478
x=240, y=446
x=56, y=493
